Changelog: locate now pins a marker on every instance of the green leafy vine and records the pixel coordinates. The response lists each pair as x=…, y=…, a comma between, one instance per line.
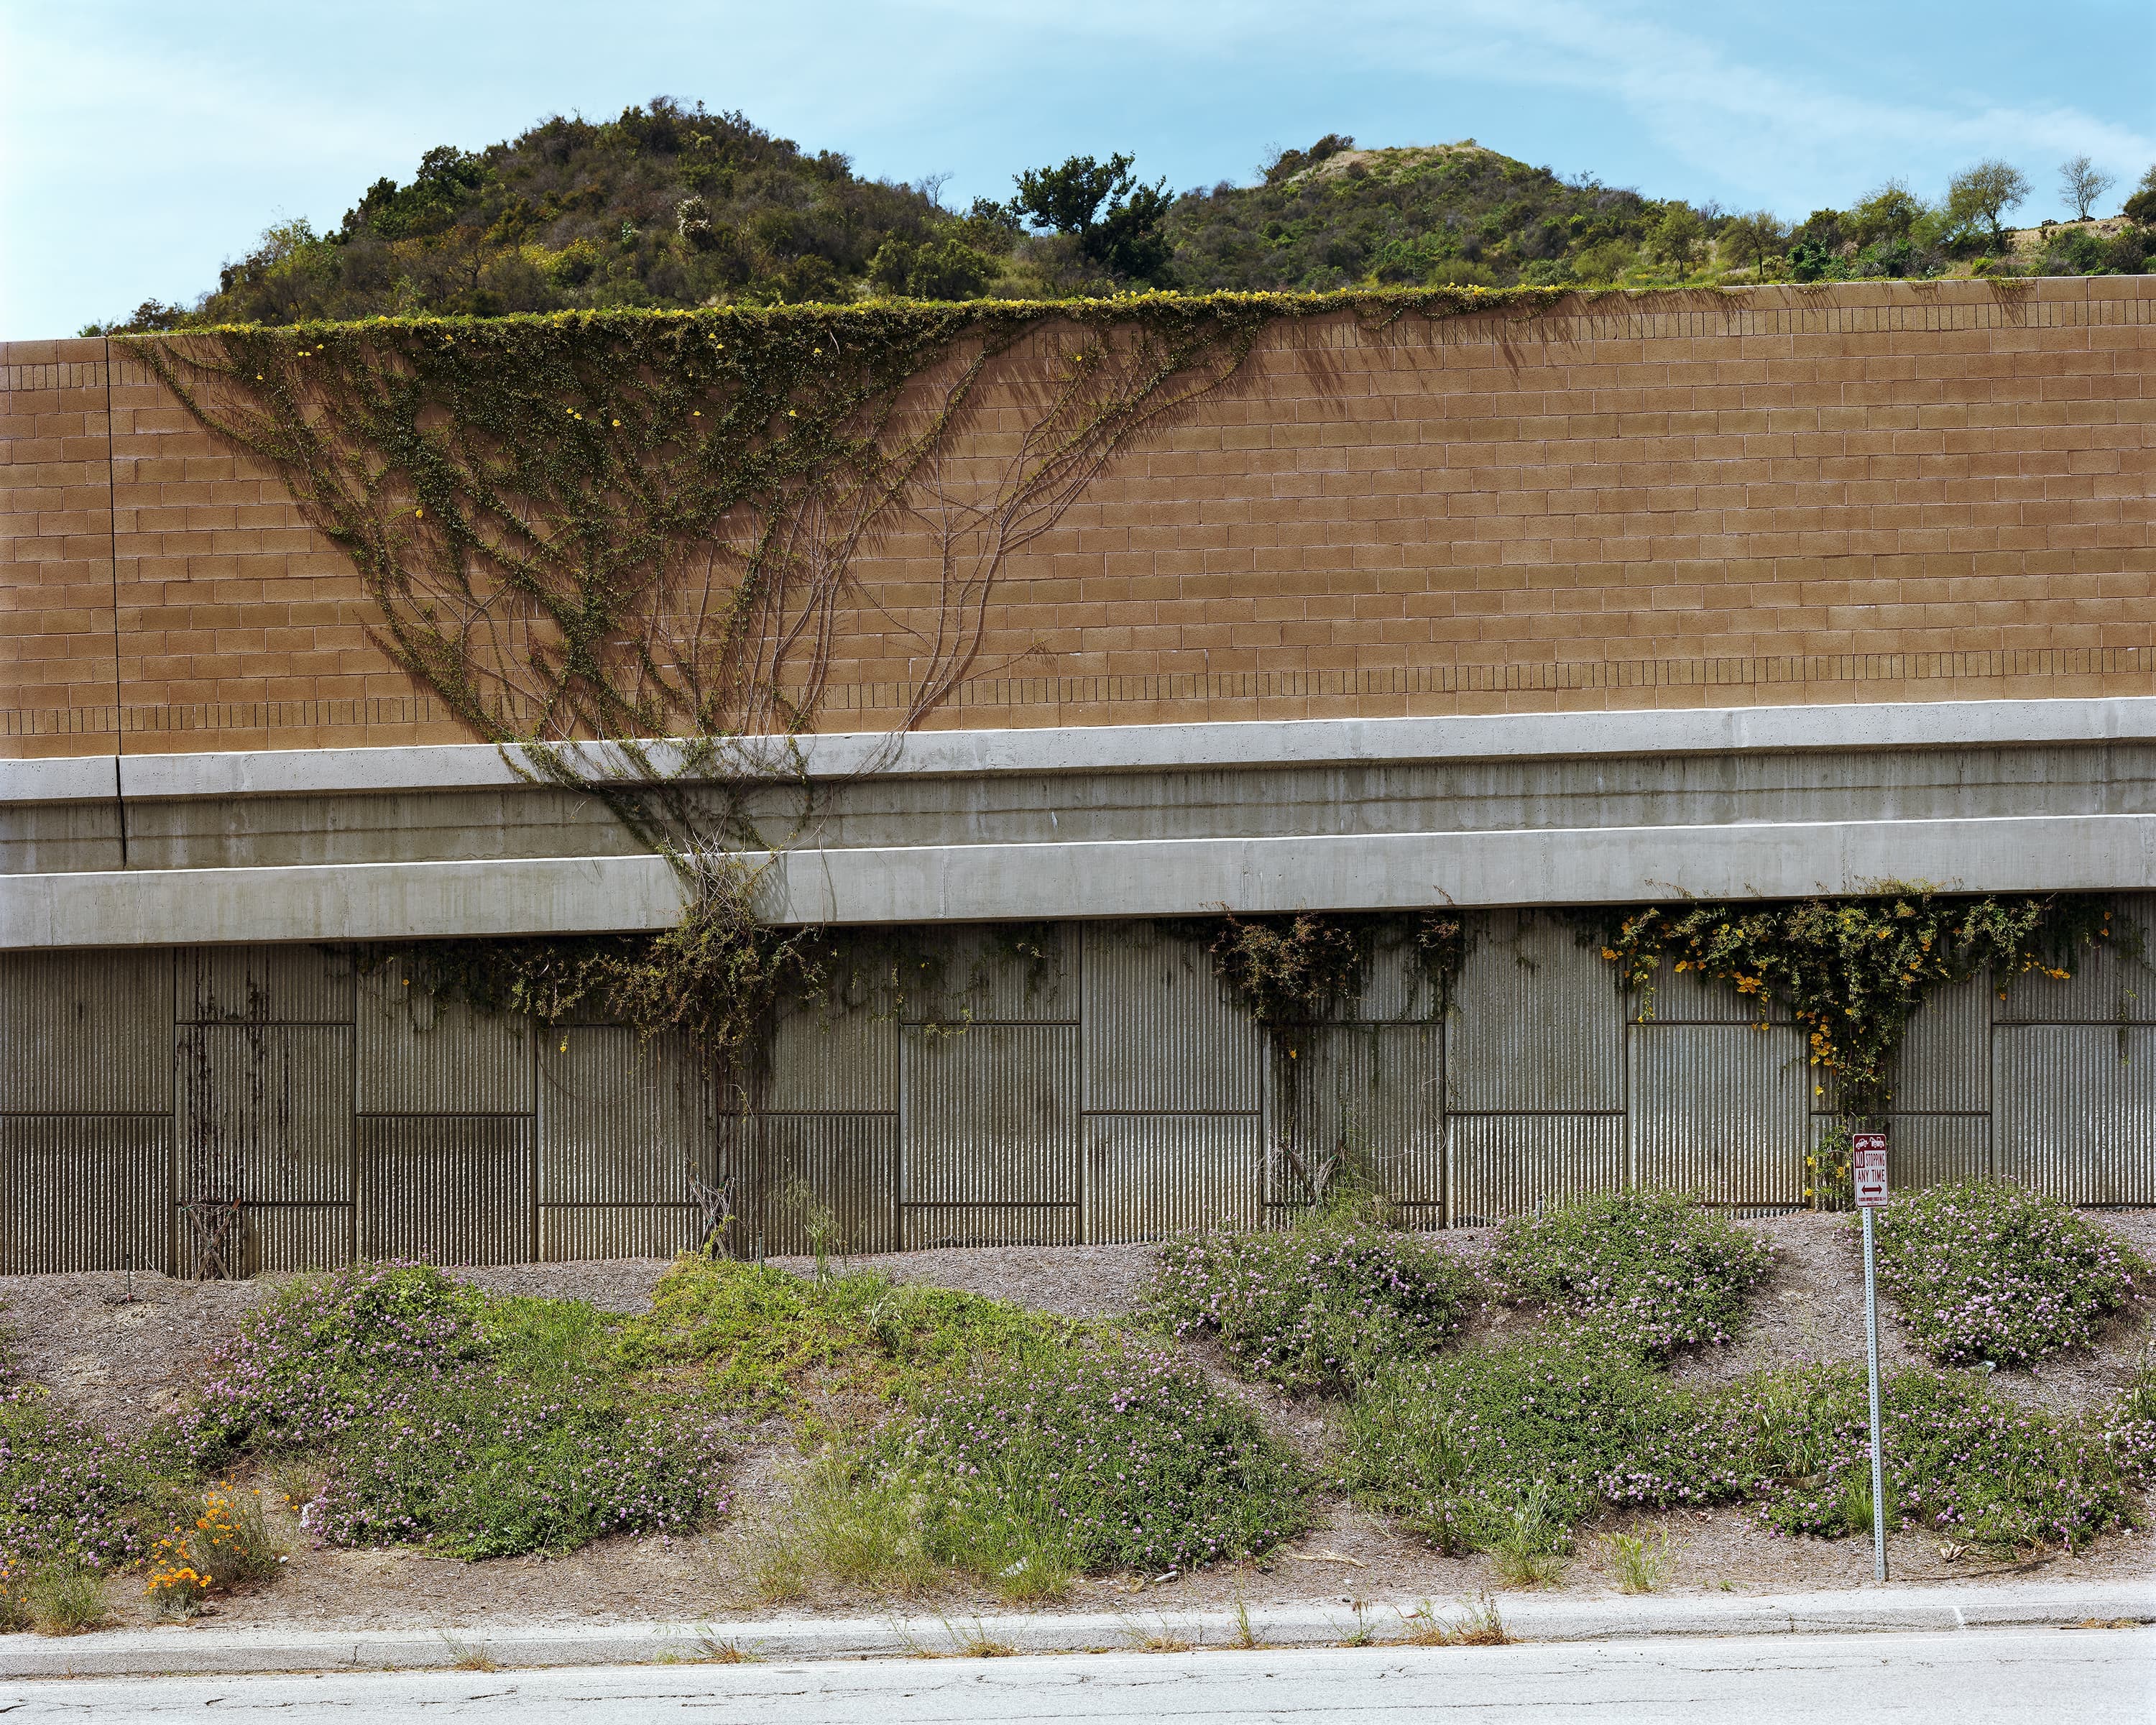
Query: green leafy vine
x=1852, y=971
x=589, y=532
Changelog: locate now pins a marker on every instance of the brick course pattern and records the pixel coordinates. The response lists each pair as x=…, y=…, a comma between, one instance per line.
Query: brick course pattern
x=1868, y=491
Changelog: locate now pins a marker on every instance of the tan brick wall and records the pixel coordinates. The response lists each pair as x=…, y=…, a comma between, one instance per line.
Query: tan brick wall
x=1867, y=492
x=56, y=538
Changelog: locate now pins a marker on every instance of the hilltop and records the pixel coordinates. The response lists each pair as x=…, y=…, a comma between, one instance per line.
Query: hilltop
x=674, y=206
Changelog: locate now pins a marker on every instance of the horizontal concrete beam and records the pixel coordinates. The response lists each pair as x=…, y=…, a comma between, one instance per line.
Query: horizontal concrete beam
x=1140, y=878
x=1134, y=748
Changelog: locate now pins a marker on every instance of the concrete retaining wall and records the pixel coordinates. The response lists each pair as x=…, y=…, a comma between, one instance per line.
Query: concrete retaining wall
x=976, y=1085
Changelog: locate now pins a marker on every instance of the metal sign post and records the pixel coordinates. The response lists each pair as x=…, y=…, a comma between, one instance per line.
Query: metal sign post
x=1868, y=1164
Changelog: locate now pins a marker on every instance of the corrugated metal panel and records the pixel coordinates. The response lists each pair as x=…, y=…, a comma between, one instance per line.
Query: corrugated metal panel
x=263, y=985
x=1015, y=973
x=569, y=1232
x=281, y=1238
x=1720, y=1110
x=1151, y=1175
x=2110, y=985
x=85, y=1033
x=620, y=1120
x=991, y=1115
x=1931, y=1149
x=922, y=1227
x=1395, y=987
x=265, y=1112
x=1369, y=1095
x=1510, y=1164
x=1945, y=1062
x=2075, y=1111
x=445, y=1189
x=840, y=1057
x=1685, y=998
x=1538, y=1024
x=417, y=1056
x=785, y=1166
x=1162, y=1034
x=85, y=1192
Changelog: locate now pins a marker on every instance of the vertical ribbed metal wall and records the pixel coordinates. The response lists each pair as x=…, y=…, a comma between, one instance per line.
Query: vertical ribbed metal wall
x=86, y=1111
x=623, y=1123
x=264, y=1098
x=1724, y=1110
x=1024, y=1085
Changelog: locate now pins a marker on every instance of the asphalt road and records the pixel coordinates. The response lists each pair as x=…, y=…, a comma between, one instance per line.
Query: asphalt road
x=2086, y=1676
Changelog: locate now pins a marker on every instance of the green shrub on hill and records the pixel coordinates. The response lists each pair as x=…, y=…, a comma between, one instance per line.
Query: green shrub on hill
x=1980, y=1270
x=1652, y=1271
x=1317, y=1307
x=424, y=1410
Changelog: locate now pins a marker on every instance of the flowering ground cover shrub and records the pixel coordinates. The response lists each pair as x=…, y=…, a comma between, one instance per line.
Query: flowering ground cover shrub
x=1517, y=1446
x=1513, y=1449
x=429, y=1411
x=1105, y=1454
x=1651, y=1270
x=1960, y=1459
x=69, y=1493
x=1979, y=1271
x=1317, y=1307
x=2129, y=1422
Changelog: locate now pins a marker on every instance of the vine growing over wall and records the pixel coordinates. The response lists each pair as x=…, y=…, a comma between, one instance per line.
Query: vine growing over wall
x=1297, y=970
x=615, y=528
x=635, y=525
x=1852, y=971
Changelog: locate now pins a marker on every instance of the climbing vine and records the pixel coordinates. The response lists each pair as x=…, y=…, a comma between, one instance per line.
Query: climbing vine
x=1852, y=971
x=589, y=532
x=1299, y=968
x=634, y=525
x=1294, y=971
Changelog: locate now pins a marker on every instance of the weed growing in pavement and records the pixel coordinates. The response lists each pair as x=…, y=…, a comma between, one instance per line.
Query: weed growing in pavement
x=1478, y=1626
x=66, y=1597
x=1317, y=1306
x=484, y=1425
x=974, y=1642
x=1639, y=1561
x=1978, y=1271
x=1652, y=1271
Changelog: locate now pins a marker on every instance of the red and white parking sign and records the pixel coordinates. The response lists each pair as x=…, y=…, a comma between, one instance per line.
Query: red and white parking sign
x=1869, y=1165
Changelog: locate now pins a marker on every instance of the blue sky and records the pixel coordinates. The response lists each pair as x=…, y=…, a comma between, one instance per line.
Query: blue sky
x=141, y=145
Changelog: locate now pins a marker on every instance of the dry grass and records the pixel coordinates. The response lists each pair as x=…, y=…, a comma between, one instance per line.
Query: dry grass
x=1478, y=1626
x=1639, y=1562
x=68, y=1600
x=467, y=1657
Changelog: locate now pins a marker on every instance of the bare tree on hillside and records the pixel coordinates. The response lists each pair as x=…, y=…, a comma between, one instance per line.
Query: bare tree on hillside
x=2083, y=182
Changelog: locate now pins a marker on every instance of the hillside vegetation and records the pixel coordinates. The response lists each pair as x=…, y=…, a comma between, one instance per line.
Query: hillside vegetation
x=670, y=205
